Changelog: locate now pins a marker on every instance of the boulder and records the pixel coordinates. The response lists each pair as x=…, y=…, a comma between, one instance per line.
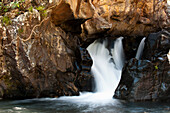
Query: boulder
x=149, y=78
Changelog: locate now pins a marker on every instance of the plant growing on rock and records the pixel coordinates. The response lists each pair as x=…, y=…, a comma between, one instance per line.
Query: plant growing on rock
x=6, y=20
x=30, y=9
x=12, y=5
x=42, y=11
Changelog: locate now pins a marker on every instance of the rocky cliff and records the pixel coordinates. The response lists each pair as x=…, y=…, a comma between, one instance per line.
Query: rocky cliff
x=42, y=43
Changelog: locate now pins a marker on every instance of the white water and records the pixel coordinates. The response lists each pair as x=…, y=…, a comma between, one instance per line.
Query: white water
x=106, y=68
x=106, y=72
x=140, y=49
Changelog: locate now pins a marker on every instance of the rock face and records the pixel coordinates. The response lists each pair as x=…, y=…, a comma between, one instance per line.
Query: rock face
x=41, y=66
x=122, y=17
x=42, y=47
x=149, y=78
x=84, y=80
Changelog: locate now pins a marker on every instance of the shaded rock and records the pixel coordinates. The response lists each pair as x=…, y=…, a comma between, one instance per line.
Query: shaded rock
x=85, y=79
x=148, y=79
x=156, y=44
x=142, y=81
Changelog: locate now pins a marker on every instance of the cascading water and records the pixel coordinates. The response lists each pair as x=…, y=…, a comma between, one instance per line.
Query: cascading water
x=140, y=49
x=107, y=65
x=106, y=68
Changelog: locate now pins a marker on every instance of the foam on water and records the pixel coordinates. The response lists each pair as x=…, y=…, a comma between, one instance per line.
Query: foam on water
x=106, y=68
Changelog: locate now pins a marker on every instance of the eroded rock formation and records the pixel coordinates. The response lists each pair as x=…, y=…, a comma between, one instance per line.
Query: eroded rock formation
x=122, y=17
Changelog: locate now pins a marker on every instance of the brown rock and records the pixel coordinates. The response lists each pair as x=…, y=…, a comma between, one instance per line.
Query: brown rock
x=61, y=13
x=41, y=66
x=124, y=17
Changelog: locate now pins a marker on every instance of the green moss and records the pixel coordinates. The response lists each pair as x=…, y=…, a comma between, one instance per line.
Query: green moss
x=40, y=8
x=42, y=11
x=156, y=67
x=20, y=30
x=15, y=5
x=6, y=20
x=12, y=5
x=30, y=9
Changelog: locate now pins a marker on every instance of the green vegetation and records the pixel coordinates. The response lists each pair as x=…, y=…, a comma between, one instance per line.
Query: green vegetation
x=42, y=11
x=11, y=5
x=30, y=9
x=20, y=30
x=20, y=7
x=6, y=20
x=156, y=67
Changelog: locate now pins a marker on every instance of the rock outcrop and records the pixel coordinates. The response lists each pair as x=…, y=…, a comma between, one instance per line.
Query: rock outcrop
x=40, y=66
x=149, y=78
x=123, y=17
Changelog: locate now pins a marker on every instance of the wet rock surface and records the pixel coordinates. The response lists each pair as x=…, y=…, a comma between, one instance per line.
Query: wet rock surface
x=148, y=79
x=85, y=80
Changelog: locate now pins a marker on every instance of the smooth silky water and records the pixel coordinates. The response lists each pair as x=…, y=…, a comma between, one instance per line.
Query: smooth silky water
x=107, y=67
x=140, y=49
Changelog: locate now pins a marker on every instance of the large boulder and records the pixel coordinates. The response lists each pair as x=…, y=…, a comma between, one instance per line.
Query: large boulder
x=36, y=61
x=149, y=78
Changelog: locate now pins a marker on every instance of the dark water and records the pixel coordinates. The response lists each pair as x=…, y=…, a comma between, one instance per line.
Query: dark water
x=52, y=105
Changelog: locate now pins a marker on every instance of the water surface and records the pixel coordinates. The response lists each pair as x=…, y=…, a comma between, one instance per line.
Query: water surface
x=54, y=105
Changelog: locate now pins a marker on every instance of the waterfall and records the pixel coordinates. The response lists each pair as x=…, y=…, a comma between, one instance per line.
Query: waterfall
x=106, y=68
x=140, y=49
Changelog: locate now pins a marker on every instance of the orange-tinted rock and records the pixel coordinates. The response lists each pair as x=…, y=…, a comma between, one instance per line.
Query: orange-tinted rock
x=124, y=17
x=61, y=13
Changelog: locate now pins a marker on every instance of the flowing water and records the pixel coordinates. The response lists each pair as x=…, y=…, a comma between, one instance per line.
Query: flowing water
x=52, y=105
x=140, y=49
x=107, y=66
